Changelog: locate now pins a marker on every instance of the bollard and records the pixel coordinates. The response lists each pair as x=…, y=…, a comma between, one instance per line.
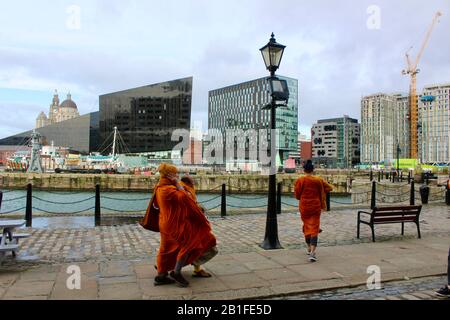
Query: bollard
x=223, y=204
x=412, y=194
x=424, y=191
x=29, y=207
x=97, y=206
x=379, y=176
x=387, y=175
x=372, y=199
x=447, y=193
x=1, y=199
x=409, y=177
x=328, y=201
x=371, y=175
x=401, y=176
x=279, y=198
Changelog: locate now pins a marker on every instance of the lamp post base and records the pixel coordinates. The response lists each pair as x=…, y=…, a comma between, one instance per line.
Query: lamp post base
x=271, y=245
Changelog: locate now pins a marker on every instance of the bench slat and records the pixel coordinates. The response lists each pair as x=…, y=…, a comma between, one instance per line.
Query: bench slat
x=387, y=214
x=401, y=208
x=395, y=219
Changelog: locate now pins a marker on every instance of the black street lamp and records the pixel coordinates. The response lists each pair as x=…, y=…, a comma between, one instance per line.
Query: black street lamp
x=398, y=161
x=272, y=54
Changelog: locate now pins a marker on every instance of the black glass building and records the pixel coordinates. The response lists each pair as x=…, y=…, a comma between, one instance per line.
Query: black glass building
x=146, y=116
x=79, y=134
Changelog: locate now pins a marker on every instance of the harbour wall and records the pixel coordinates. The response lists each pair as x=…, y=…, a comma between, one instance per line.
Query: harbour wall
x=204, y=183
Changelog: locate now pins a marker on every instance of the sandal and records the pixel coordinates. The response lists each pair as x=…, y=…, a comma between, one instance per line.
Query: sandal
x=201, y=274
x=162, y=280
x=179, y=279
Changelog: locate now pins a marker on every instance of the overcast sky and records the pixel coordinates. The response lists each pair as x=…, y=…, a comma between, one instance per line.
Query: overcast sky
x=338, y=50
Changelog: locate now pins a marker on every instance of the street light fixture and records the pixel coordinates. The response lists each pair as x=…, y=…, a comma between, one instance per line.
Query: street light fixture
x=272, y=53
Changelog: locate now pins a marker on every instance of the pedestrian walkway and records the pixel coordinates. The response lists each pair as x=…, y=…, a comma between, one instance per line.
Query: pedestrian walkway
x=235, y=234
x=255, y=274
x=116, y=262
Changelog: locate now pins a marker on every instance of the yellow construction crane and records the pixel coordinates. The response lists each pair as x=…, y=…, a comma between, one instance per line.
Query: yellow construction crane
x=412, y=70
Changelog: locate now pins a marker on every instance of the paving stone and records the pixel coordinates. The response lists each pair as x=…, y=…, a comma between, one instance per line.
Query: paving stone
x=124, y=291
x=242, y=281
x=409, y=297
x=392, y=298
x=421, y=295
x=27, y=288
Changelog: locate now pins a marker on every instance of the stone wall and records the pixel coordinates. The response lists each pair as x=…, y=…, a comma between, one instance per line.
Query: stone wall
x=204, y=183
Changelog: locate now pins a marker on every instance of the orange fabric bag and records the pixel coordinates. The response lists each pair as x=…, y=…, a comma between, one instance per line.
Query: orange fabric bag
x=151, y=218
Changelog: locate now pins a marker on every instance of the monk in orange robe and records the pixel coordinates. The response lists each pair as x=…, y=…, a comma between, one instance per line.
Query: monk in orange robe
x=311, y=192
x=185, y=232
x=188, y=184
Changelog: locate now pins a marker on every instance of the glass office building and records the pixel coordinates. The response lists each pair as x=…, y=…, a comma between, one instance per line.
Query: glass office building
x=146, y=116
x=78, y=134
x=240, y=106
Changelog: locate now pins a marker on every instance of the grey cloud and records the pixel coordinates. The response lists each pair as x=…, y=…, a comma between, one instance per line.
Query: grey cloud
x=218, y=44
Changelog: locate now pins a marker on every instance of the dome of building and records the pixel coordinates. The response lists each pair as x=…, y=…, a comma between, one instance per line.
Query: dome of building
x=68, y=103
x=42, y=116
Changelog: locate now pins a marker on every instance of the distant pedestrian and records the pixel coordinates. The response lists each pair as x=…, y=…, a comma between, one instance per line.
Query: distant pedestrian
x=311, y=192
x=445, y=290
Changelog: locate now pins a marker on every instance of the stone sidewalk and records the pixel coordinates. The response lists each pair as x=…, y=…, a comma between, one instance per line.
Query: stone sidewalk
x=235, y=234
x=241, y=275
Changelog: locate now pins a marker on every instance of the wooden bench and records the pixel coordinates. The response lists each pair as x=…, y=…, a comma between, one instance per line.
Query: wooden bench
x=394, y=214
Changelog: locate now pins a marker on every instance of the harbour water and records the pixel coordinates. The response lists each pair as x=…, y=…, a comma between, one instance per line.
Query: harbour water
x=60, y=208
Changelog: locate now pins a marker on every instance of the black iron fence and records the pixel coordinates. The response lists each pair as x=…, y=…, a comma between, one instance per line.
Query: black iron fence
x=229, y=198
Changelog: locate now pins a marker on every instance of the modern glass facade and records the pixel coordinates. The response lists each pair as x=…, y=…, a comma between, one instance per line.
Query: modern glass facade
x=146, y=116
x=335, y=142
x=240, y=107
x=78, y=134
x=434, y=124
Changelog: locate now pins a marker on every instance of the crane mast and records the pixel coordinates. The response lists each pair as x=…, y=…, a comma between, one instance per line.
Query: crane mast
x=412, y=70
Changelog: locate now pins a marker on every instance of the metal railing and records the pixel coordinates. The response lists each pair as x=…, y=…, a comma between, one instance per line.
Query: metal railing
x=224, y=201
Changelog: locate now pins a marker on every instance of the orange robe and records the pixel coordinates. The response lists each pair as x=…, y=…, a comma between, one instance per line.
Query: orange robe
x=185, y=231
x=190, y=190
x=311, y=193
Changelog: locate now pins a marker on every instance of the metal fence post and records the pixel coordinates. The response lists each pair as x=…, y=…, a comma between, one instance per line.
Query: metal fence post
x=223, y=205
x=372, y=199
x=328, y=201
x=97, y=206
x=412, y=194
x=1, y=199
x=447, y=193
x=409, y=177
x=279, y=198
x=29, y=207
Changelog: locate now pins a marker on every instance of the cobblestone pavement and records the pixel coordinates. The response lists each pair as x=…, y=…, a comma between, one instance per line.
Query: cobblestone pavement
x=235, y=234
x=415, y=289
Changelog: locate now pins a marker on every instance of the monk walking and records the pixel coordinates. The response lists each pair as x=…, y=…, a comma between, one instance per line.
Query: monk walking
x=185, y=232
x=188, y=184
x=311, y=192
